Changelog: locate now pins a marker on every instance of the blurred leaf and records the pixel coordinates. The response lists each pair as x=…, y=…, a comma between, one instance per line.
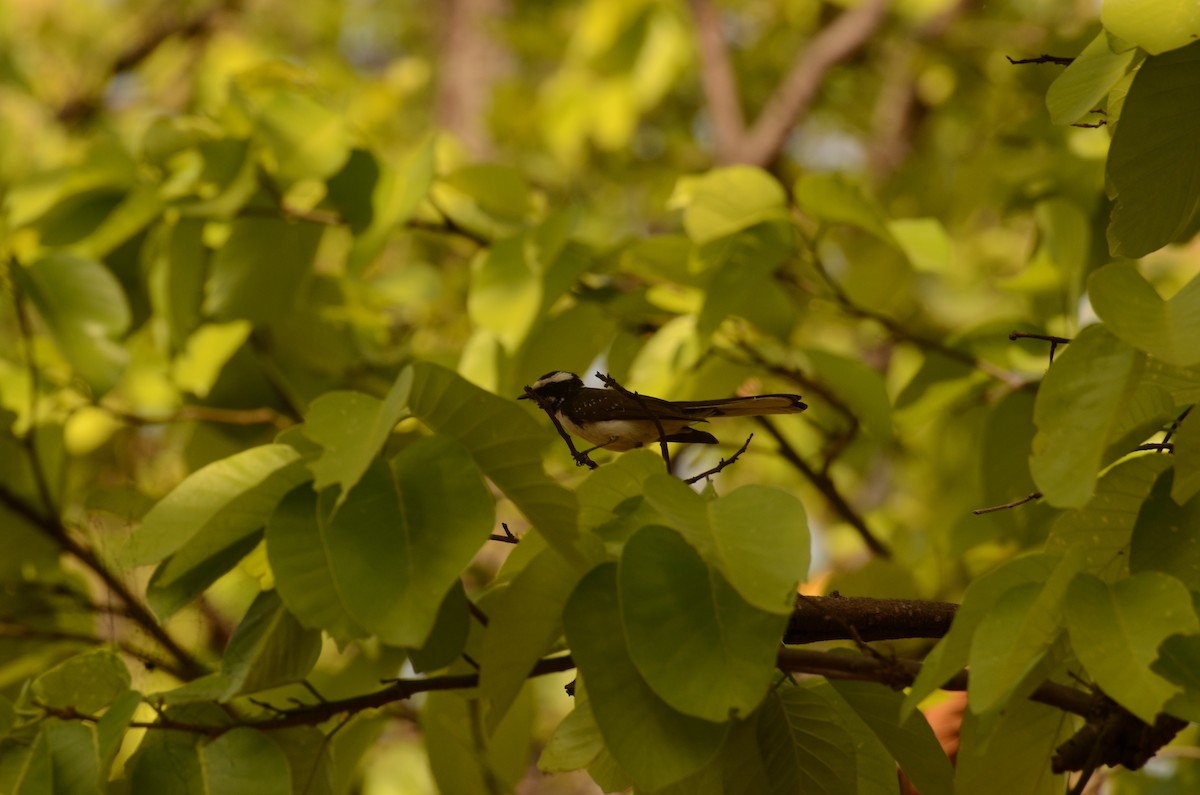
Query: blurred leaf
x=652, y=742
x=860, y=387
x=728, y=200
x=488, y=200
x=924, y=241
x=395, y=196
x=177, y=271
x=697, y=644
x=301, y=137
x=1150, y=167
x=1116, y=630
x=183, y=577
x=1133, y=310
x=1084, y=84
x=449, y=634
x=1155, y=26
x=258, y=273
x=1012, y=752
x=268, y=648
x=740, y=268
x=86, y=311
x=352, y=428
x=216, y=505
x=1077, y=406
x=86, y=682
x=835, y=199
x=505, y=291
x=576, y=741
x=1179, y=661
x=74, y=757
x=206, y=351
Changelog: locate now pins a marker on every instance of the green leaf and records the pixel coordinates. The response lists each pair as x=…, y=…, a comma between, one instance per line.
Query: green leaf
x=1078, y=404
x=243, y=761
x=491, y=201
x=653, y=743
x=728, y=200
x=910, y=741
x=269, y=648
x=576, y=741
x=1012, y=752
x=86, y=682
x=258, y=273
x=1166, y=537
x=177, y=267
x=740, y=268
x=140, y=207
x=308, y=751
x=111, y=728
x=805, y=744
x=506, y=291
x=1179, y=661
x=182, y=578
x=924, y=241
x=352, y=428
x=85, y=310
x=1187, y=459
x=523, y=623
x=1133, y=311
x=1015, y=636
x=302, y=138
x=1084, y=85
x=1116, y=631
x=860, y=387
x=448, y=637
x=612, y=490
x=386, y=557
x=950, y=655
x=169, y=761
x=1154, y=25
x=1150, y=162
x=395, y=197
x=74, y=757
x=1103, y=528
x=206, y=351
x=835, y=199
x=756, y=536
x=461, y=758
x=505, y=442
x=699, y=645
x=216, y=505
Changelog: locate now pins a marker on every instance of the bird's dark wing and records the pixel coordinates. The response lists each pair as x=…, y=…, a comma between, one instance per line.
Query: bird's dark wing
x=617, y=406
x=691, y=436
x=752, y=406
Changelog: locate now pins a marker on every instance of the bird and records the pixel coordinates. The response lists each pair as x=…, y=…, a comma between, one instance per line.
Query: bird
x=617, y=420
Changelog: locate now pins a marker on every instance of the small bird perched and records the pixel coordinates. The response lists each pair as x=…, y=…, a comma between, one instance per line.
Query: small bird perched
x=619, y=421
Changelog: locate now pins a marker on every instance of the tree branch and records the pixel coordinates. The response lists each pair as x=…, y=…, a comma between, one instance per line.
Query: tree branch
x=761, y=143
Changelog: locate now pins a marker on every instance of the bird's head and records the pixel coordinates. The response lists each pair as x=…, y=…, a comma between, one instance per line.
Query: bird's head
x=554, y=387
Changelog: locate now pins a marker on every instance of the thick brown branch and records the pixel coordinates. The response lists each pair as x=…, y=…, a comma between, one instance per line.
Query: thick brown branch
x=818, y=618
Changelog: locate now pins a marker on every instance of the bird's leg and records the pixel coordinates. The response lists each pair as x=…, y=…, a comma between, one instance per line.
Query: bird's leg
x=581, y=459
x=611, y=439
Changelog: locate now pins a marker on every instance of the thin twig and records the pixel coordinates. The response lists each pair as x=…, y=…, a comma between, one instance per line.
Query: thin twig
x=828, y=489
x=1037, y=495
x=722, y=463
x=1057, y=60
x=259, y=416
x=507, y=538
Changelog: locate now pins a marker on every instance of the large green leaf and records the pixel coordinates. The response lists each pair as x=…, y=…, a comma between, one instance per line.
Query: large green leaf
x=576, y=741
x=1134, y=311
x=1154, y=25
x=728, y=200
x=950, y=655
x=1016, y=635
x=1116, y=631
x=352, y=428
x=85, y=310
x=395, y=197
x=1078, y=405
x=1179, y=661
x=1151, y=166
x=1011, y=753
x=169, y=761
x=1187, y=459
x=910, y=741
x=1166, y=537
x=269, y=648
x=695, y=641
x=506, y=444
x=1103, y=528
x=244, y=762
x=302, y=138
x=490, y=200
x=384, y=558
x=506, y=291
x=805, y=744
x=74, y=757
x=86, y=682
x=523, y=623
x=756, y=536
x=461, y=758
x=653, y=743
x=739, y=270
x=216, y=506
x=1084, y=85
x=833, y=198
